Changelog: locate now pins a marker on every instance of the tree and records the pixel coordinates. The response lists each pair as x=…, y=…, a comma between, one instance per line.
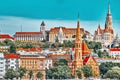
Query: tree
x=8, y=42
x=104, y=67
x=10, y=74
x=59, y=72
x=79, y=72
x=102, y=54
x=22, y=72
x=84, y=36
x=61, y=62
x=113, y=73
x=39, y=75
x=87, y=71
x=30, y=74
x=12, y=48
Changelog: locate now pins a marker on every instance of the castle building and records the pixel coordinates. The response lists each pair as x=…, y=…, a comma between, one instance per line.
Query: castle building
x=63, y=33
x=32, y=36
x=82, y=54
x=105, y=36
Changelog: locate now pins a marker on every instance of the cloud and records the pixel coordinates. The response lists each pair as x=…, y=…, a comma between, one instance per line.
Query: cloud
x=12, y=24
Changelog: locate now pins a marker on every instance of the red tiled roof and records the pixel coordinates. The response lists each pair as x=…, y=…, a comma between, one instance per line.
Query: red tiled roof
x=87, y=58
x=63, y=28
x=114, y=49
x=85, y=49
x=28, y=33
x=30, y=49
x=11, y=55
x=7, y=36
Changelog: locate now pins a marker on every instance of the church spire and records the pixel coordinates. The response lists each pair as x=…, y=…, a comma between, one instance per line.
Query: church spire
x=109, y=8
x=78, y=36
x=78, y=62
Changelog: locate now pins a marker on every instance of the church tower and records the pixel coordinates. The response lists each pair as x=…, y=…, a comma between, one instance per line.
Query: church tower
x=78, y=62
x=108, y=22
x=42, y=29
x=42, y=26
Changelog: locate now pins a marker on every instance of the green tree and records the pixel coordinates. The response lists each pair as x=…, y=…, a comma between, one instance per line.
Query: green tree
x=104, y=67
x=79, y=72
x=87, y=71
x=59, y=72
x=84, y=36
x=102, y=54
x=113, y=73
x=10, y=74
x=61, y=62
x=30, y=74
x=12, y=48
x=22, y=71
x=8, y=42
x=39, y=75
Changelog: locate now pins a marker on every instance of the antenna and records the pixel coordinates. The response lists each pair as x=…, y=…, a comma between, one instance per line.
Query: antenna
x=21, y=28
x=78, y=15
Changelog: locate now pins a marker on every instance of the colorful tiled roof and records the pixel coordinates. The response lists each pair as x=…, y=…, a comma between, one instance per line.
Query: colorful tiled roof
x=28, y=32
x=67, y=29
x=114, y=49
x=6, y=36
x=30, y=49
x=11, y=55
x=87, y=58
x=85, y=49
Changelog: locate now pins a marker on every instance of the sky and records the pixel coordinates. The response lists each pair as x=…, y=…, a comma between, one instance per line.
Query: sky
x=55, y=13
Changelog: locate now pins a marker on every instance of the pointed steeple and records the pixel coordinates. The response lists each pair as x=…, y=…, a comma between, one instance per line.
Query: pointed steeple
x=78, y=36
x=109, y=8
x=78, y=62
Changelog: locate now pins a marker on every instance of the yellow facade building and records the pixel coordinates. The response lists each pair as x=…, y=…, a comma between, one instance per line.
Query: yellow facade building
x=34, y=63
x=63, y=33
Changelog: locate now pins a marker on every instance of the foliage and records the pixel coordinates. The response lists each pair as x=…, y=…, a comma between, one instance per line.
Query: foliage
x=61, y=62
x=113, y=73
x=22, y=71
x=87, y=71
x=39, y=75
x=10, y=74
x=6, y=42
x=84, y=36
x=79, y=72
x=30, y=74
x=60, y=70
x=20, y=44
x=93, y=45
x=102, y=54
x=104, y=67
x=12, y=48
x=68, y=43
